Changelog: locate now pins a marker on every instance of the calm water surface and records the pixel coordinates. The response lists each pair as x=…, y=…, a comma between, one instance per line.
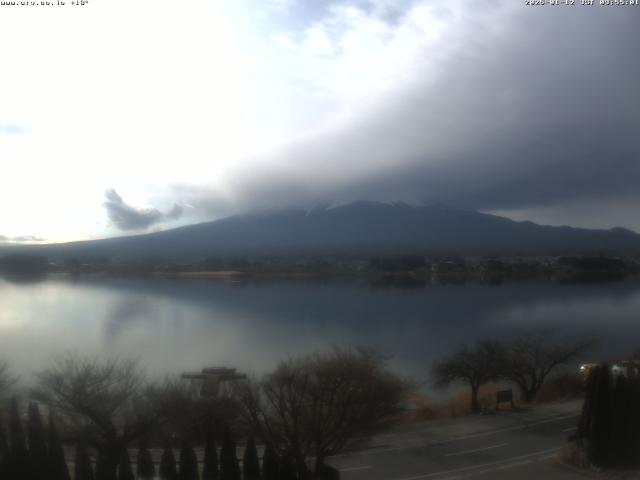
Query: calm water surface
x=177, y=325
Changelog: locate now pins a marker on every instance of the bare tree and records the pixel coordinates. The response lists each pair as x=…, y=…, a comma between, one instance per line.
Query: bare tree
x=531, y=358
x=319, y=405
x=187, y=413
x=474, y=367
x=106, y=401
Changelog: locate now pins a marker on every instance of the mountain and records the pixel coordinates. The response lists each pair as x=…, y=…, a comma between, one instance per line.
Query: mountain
x=362, y=228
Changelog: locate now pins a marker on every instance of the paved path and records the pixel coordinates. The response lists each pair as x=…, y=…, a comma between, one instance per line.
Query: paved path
x=504, y=445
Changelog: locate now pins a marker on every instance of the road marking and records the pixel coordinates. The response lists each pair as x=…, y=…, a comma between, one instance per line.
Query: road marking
x=568, y=429
x=474, y=467
x=513, y=465
x=353, y=469
x=509, y=429
x=432, y=443
x=476, y=450
x=375, y=451
x=546, y=457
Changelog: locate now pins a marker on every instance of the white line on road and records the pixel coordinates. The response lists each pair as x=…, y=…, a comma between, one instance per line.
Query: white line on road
x=568, y=429
x=473, y=467
x=476, y=450
x=353, y=469
x=524, y=426
x=429, y=443
x=513, y=465
x=546, y=457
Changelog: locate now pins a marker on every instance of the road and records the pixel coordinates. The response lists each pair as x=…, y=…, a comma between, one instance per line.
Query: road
x=504, y=445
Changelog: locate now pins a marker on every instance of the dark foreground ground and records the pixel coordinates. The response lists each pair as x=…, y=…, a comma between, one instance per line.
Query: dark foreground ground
x=506, y=445
x=520, y=444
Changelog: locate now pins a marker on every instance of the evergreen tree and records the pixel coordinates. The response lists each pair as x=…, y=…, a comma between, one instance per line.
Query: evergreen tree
x=188, y=463
x=633, y=422
x=618, y=431
x=229, y=468
x=103, y=470
x=18, y=464
x=37, y=443
x=4, y=454
x=125, y=471
x=610, y=419
x=210, y=470
x=82, y=470
x=599, y=435
x=146, y=470
x=57, y=464
x=168, y=465
x=287, y=470
x=250, y=463
x=585, y=423
x=270, y=463
x=625, y=439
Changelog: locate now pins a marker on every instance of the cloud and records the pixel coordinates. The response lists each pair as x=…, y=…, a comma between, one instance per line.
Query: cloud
x=127, y=217
x=21, y=239
x=27, y=238
x=503, y=107
x=12, y=129
x=279, y=5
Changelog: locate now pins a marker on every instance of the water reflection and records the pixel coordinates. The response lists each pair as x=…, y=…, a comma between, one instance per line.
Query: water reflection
x=124, y=313
x=174, y=325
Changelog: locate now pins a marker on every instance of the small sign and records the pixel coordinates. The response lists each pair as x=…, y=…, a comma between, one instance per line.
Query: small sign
x=504, y=396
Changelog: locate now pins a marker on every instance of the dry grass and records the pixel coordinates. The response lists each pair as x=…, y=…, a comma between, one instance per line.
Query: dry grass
x=425, y=409
x=457, y=406
x=619, y=475
x=460, y=404
x=562, y=387
x=574, y=457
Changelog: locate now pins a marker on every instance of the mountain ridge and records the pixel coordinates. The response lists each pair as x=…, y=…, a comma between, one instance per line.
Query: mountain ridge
x=358, y=228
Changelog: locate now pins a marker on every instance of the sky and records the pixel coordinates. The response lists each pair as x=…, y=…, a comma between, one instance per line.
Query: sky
x=128, y=116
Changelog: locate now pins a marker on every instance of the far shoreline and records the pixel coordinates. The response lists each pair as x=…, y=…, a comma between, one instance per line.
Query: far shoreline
x=232, y=275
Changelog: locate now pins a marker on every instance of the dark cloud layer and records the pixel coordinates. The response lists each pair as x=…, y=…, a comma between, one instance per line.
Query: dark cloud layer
x=530, y=108
x=126, y=217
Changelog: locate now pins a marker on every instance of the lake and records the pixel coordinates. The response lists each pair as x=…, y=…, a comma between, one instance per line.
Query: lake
x=177, y=325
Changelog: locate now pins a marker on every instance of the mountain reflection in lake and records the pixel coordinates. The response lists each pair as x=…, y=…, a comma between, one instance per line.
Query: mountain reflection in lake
x=175, y=325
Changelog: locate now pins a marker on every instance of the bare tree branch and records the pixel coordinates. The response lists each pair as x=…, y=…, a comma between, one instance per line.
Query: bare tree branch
x=107, y=401
x=531, y=358
x=318, y=405
x=474, y=367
